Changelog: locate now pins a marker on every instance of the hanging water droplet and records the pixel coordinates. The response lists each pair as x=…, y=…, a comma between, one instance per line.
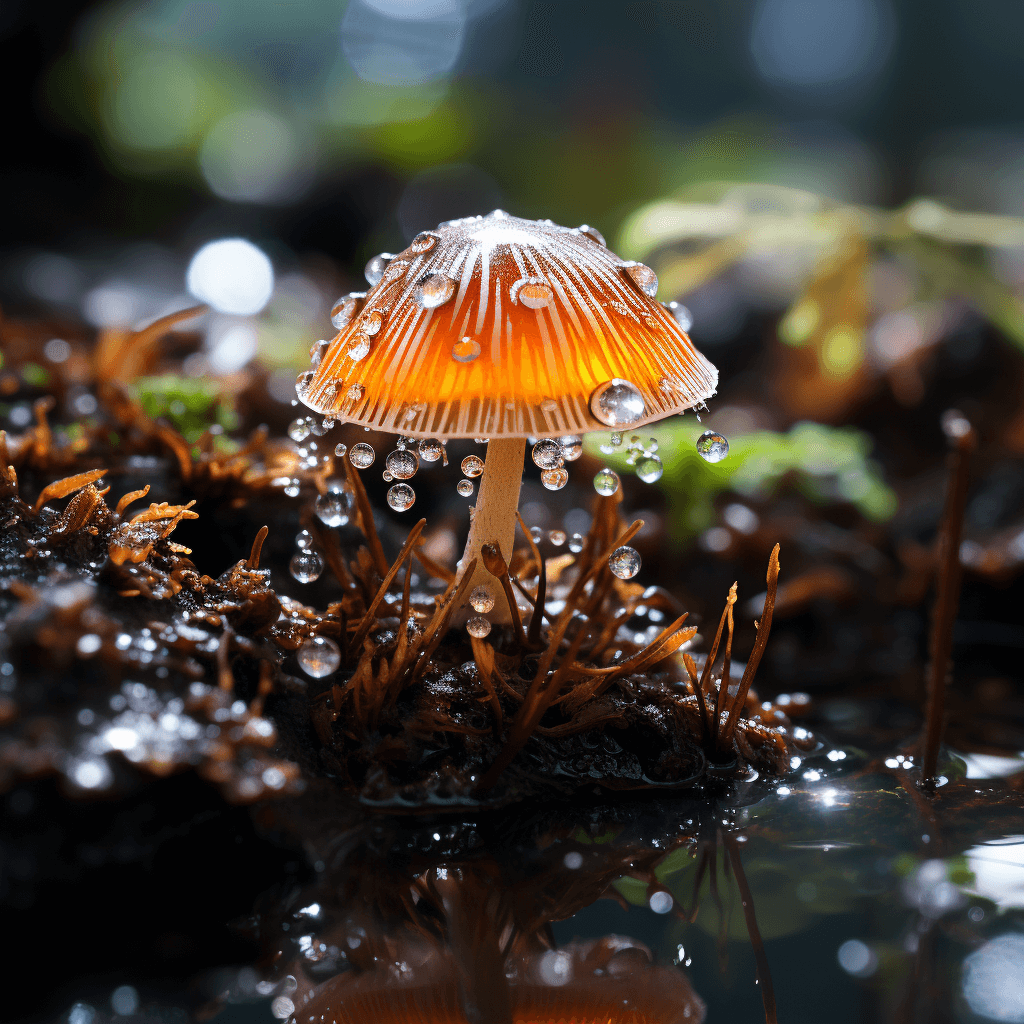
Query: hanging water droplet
x=344, y=310
x=652, y=446
x=478, y=626
x=557, y=537
x=624, y=562
x=340, y=448
x=319, y=656
x=617, y=403
x=536, y=534
x=466, y=350
x=359, y=347
x=306, y=565
x=401, y=497
x=554, y=479
x=434, y=290
x=317, y=352
x=298, y=430
x=712, y=446
x=318, y=428
x=576, y=543
x=303, y=381
x=592, y=232
x=472, y=465
x=430, y=449
x=362, y=455
x=373, y=322
x=481, y=599
x=403, y=464
x=606, y=481
x=333, y=508
x=375, y=268
x=547, y=454
x=423, y=242
x=649, y=469
x=572, y=447
x=643, y=277
x=292, y=488
x=303, y=540
x=682, y=315
x=355, y=392
x=532, y=292
x=386, y=477
x=465, y=488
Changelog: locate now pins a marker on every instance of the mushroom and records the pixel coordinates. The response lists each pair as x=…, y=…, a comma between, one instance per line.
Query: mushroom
x=502, y=328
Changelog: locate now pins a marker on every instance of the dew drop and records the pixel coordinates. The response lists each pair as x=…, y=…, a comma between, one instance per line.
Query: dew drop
x=340, y=448
x=572, y=447
x=617, y=403
x=478, y=626
x=649, y=469
x=557, y=537
x=593, y=233
x=362, y=455
x=536, y=534
x=423, y=242
x=532, y=292
x=682, y=315
x=712, y=446
x=317, y=352
x=481, y=599
x=401, y=497
x=403, y=464
x=472, y=465
x=549, y=405
x=375, y=268
x=547, y=454
x=430, y=449
x=306, y=565
x=355, y=392
x=465, y=488
x=292, y=488
x=624, y=562
x=643, y=277
x=303, y=381
x=304, y=540
x=298, y=430
x=386, y=477
x=576, y=543
x=344, y=310
x=434, y=290
x=319, y=656
x=334, y=508
x=318, y=428
x=359, y=347
x=606, y=481
x=554, y=479
x=466, y=350
x=373, y=322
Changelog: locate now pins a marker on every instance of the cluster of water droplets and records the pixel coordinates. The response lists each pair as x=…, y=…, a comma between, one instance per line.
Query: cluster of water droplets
x=334, y=509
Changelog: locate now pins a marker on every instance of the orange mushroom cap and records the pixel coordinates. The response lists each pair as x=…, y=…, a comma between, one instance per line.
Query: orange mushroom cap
x=501, y=327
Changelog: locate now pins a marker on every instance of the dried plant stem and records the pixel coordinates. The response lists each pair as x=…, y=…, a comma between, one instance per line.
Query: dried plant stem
x=365, y=516
x=723, y=686
x=963, y=440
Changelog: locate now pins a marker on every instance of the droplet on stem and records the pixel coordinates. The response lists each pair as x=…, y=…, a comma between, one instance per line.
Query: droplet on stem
x=481, y=599
x=478, y=626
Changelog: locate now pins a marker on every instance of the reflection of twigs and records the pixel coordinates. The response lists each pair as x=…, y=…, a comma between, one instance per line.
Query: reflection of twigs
x=963, y=440
x=764, y=974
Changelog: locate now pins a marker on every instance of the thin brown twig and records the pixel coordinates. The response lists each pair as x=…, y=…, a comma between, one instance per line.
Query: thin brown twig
x=723, y=686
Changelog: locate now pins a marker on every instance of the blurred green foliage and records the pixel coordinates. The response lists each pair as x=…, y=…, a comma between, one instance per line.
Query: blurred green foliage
x=191, y=405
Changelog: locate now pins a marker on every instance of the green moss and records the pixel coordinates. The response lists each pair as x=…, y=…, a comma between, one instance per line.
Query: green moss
x=191, y=405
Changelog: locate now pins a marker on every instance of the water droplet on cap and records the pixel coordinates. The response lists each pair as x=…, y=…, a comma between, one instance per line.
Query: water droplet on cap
x=362, y=455
x=472, y=465
x=372, y=322
x=317, y=352
x=572, y=447
x=319, y=656
x=624, y=563
x=359, y=347
x=649, y=469
x=434, y=290
x=464, y=487
x=682, y=315
x=617, y=403
x=532, y=292
x=423, y=242
x=554, y=479
x=355, y=392
x=643, y=277
x=481, y=599
x=402, y=464
x=430, y=449
x=606, y=481
x=591, y=232
x=466, y=350
x=401, y=497
x=547, y=454
x=303, y=381
x=478, y=626
x=306, y=565
x=345, y=309
x=375, y=268
x=712, y=446
x=334, y=508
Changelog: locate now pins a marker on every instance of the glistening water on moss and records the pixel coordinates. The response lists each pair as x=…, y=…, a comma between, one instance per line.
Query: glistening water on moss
x=191, y=405
x=824, y=463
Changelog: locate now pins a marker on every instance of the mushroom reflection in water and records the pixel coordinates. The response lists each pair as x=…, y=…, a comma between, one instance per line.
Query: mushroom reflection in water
x=500, y=328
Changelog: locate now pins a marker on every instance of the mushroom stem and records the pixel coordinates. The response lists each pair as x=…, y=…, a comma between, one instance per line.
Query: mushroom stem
x=494, y=521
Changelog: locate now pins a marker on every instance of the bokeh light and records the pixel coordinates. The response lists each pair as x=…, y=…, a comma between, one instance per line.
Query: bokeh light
x=993, y=979
x=232, y=275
